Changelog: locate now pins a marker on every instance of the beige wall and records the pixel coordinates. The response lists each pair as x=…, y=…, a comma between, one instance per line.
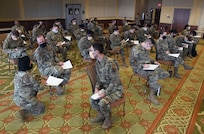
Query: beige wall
x=168, y=6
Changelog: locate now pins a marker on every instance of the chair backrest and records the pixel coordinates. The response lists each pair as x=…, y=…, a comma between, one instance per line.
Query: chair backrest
x=91, y=72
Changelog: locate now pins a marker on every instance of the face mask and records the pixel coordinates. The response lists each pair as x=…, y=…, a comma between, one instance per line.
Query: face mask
x=55, y=30
x=189, y=28
x=43, y=45
x=90, y=38
x=14, y=38
x=163, y=37
x=116, y=33
x=145, y=28
x=91, y=54
x=74, y=23
x=82, y=30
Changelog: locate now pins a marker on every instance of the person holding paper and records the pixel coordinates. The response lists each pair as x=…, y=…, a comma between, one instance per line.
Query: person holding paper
x=163, y=54
x=139, y=60
x=131, y=35
x=26, y=88
x=56, y=41
x=118, y=44
x=108, y=85
x=49, y=64
x=13, y=45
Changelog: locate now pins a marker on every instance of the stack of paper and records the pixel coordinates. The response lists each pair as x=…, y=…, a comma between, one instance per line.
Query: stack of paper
x=135, y=42
x=151, y=67
x=174, y=55
x=67, y=65
x=68, y=37
x=53, y=81
x=95, y=96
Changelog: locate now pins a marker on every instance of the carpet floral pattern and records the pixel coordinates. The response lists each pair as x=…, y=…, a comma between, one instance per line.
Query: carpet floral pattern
x=69, y=113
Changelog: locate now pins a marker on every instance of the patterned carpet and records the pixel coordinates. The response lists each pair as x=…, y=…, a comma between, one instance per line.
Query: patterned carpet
x=177, y=113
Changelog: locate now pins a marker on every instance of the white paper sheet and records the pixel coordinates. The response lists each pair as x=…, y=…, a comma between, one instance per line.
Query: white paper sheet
x=151, y=67
x=67, y=65
x=197, y=36
x=136, y=42
x=174, y=55
x=185, y=45
x=53, y=81
x=95, y=96
x=68, y=37
x=180, y=48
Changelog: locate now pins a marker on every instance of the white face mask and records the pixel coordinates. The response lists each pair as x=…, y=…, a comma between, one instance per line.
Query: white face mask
x=90, y=38
x=55, y=30
x=91, y=54
x=116, y=33
x=189, y=28
x=14, y=37
x=145, y=28
x=74, y=23
x=82, y=30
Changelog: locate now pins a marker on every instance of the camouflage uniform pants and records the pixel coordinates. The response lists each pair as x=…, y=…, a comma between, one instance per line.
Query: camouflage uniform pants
x=103, y=105
x=176, y=60
x=33, y=107
x=153, y=76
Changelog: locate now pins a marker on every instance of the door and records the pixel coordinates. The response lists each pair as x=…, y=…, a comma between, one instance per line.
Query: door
x=180, y=19
x=73, y=11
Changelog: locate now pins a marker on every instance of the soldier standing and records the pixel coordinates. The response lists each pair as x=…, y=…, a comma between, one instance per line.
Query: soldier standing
x=26, y=89
x=139, y=59
x=108, y=85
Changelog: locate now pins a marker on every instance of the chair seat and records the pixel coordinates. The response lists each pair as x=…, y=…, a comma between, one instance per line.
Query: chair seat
x=118, y=102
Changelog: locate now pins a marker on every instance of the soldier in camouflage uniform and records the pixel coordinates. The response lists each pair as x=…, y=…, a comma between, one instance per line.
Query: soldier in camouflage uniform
x=118, y=44
x=143, y=33
x=131, y=35
x=162, y=54
x=26, y=89
x=49, y=65
x=14, y=46
x=139, y=59
x=108, y=85
x=85, y=43
x=37, y=30
x=19, y=27
x=74, y=26
x=56, y=40
x=80, y=32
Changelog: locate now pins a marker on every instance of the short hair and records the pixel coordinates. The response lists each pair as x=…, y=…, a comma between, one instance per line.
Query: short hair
x=173, y=31
x=98, y=46
x=15, y=32
x=115, y=29
x=89, y=32
x=55, y=25
x=24, y=63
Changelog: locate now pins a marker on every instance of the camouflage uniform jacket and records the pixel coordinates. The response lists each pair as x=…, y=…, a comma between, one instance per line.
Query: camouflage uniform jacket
x=45, y=58
x=54, y=38
x=84, y=45
x=25, y=87
x=162, y=47
x=141, y=34
x=110, y=28
x=172, y=44
x=80, y=34
x=115, y=40
x=15, y=48
x=138, y=57
x=108, y=77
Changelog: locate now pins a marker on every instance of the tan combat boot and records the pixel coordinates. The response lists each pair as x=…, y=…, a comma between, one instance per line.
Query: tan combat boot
x=107, y=122
x=98, y=118
x=152, y=98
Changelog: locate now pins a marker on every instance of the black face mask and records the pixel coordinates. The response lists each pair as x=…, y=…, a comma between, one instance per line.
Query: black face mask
x=163, y=37
x=43, y=45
